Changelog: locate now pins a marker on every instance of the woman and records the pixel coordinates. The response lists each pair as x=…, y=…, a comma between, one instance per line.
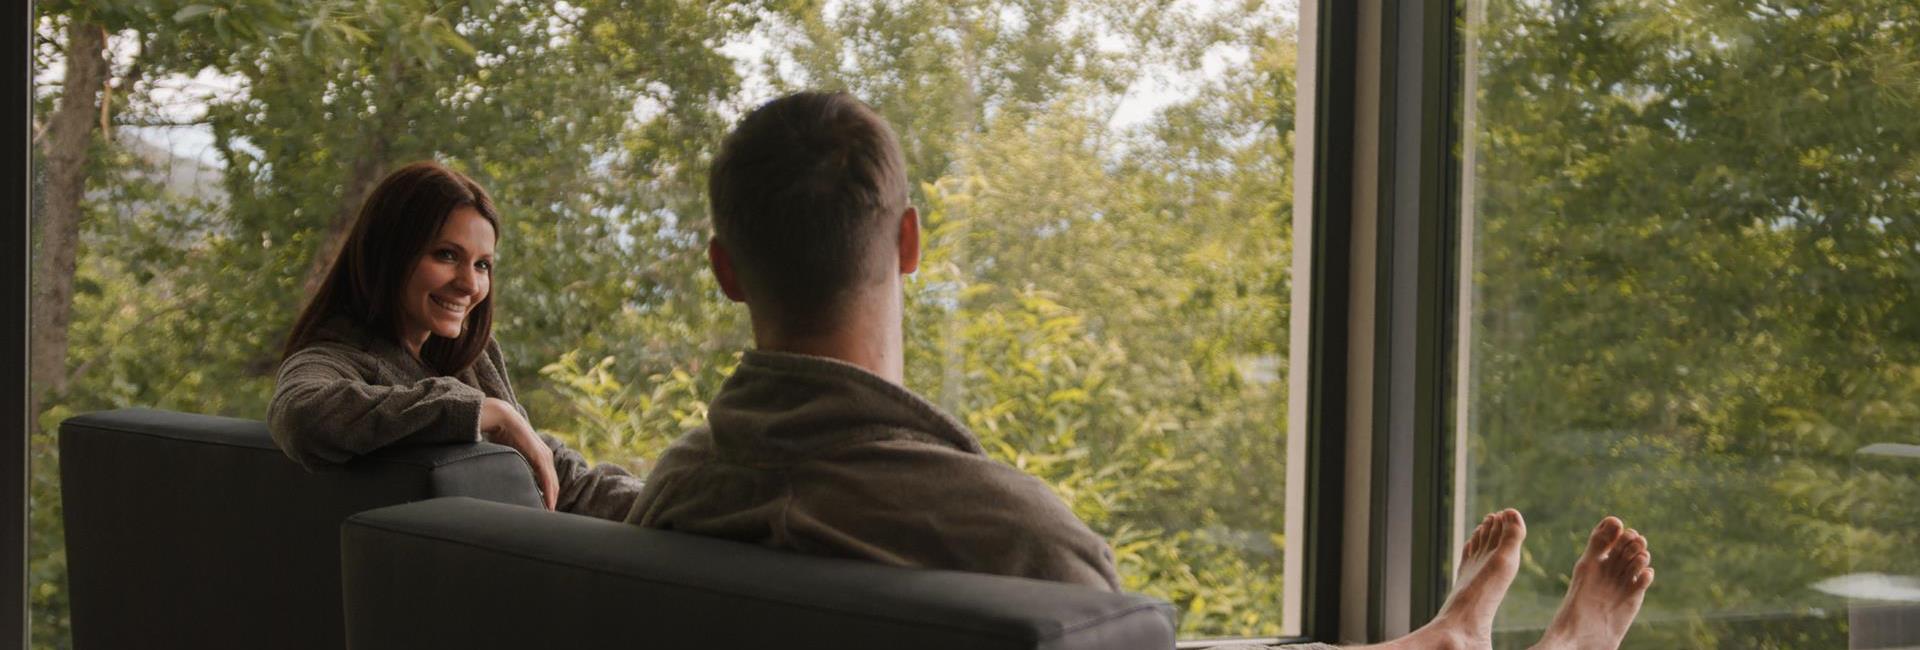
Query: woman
x=397, y=346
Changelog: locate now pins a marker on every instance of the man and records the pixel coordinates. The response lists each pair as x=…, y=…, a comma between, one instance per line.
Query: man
x=813, y=445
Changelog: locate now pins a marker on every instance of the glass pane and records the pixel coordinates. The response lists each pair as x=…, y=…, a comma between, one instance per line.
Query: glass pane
x=1694, y=274
x=1105, y=188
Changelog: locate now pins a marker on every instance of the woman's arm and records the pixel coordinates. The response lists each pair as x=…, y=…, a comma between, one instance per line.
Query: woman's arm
x=606, y=490
x=503, y=422
x=323, y=413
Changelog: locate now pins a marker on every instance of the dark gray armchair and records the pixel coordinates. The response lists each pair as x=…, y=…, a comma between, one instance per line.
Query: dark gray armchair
x=190, y=531
x=464, y=573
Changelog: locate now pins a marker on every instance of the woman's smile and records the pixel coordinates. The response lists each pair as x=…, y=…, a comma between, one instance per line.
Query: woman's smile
x=457, y=307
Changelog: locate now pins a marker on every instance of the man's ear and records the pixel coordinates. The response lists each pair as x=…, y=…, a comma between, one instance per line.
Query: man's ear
x=909, y=241
x=723, y=270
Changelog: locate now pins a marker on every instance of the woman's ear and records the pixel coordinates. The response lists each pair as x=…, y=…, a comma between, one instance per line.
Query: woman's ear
x=909, y=241
x=723, y=270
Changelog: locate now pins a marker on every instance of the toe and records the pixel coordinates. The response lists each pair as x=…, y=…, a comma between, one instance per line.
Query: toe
x=1639, y=564
x=1480, y=534
x=1630, y=545
x=1604, y=536
x=1516, y=524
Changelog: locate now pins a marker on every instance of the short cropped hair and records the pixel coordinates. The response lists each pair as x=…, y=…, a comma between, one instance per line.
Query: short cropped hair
x=802, y=191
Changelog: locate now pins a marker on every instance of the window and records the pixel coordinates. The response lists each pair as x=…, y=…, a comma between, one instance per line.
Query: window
x=1693, y=274
x=1106, y=190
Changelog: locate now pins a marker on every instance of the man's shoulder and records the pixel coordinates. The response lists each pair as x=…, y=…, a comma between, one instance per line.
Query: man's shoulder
x=917, y=466
x=929, y=499
x=692, y=448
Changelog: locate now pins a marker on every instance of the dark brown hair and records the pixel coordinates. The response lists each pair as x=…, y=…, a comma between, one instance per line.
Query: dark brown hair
x=801, y=191
x=398, y=220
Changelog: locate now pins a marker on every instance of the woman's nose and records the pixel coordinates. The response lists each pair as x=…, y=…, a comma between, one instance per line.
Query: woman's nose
x=465, y=279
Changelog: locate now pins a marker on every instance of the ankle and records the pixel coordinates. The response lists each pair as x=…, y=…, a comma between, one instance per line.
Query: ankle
x=1451, y=632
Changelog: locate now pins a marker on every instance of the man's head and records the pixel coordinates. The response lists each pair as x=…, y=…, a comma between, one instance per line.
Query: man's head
x=809, y=196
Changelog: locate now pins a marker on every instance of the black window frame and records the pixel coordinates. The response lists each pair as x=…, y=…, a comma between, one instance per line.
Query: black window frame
x=1382, y=346
x=13, y=386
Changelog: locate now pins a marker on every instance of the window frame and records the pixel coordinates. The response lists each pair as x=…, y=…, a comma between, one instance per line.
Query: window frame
x=1317, y=437
x=1416, y=313
x=13, y=386
x=1383, y=389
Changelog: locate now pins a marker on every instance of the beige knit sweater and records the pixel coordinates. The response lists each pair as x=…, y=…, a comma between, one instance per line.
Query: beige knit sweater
x=351, y=392
x=821, y=457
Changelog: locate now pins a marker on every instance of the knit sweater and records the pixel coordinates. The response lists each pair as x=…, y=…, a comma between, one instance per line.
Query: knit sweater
x=821, y=457
x=350, y=392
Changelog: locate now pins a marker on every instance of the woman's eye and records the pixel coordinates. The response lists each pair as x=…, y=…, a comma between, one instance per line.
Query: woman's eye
x=443, y=255
x=484, y=265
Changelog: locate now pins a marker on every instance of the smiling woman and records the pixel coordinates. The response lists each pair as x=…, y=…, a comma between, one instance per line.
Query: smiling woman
x=452, y=279
x=397, y=345
x=408, y=225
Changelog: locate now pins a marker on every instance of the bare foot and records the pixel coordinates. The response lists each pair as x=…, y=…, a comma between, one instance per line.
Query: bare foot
x=1487, y=566
x=1609, y=582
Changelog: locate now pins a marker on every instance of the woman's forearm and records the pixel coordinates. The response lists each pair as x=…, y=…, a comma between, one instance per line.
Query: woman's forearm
x=320, y=415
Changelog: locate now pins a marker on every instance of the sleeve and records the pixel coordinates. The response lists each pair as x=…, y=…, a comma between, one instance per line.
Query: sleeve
x=603, y=491
x=324, y=413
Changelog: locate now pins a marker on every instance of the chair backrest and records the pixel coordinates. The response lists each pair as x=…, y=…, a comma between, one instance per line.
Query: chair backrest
x=461, y=573
x=190, y=531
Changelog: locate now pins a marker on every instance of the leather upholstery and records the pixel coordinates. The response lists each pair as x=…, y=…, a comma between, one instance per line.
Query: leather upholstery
x=463, y=573
x=191, y=531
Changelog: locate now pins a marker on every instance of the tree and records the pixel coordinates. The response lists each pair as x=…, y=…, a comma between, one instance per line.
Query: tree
x=1695, y=289
x=68, y=141
x=1103, y=305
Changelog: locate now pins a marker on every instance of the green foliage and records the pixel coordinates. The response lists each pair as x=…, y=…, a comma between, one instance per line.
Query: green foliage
x=613, y=423
x=1696, y=283
x=1042, y=317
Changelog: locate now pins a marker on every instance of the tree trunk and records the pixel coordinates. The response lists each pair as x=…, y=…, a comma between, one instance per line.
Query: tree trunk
x=367, y=170
x=69, y=139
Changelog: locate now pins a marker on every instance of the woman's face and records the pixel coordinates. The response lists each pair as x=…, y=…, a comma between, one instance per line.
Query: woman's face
x=450, y=278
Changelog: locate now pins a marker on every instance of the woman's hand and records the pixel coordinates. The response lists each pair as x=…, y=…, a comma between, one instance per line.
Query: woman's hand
x=502, y=424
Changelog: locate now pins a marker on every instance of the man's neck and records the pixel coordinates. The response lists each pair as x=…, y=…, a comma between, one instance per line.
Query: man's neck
x=868, y=336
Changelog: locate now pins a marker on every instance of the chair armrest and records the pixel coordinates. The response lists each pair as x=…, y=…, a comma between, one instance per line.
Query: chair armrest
x=471, y=574
x=482, y=470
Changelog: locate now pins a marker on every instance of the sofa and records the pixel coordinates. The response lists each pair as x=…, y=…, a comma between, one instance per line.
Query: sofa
x=191, y=531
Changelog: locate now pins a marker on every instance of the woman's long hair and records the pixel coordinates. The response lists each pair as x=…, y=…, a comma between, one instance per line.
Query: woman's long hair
x=396, y=223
